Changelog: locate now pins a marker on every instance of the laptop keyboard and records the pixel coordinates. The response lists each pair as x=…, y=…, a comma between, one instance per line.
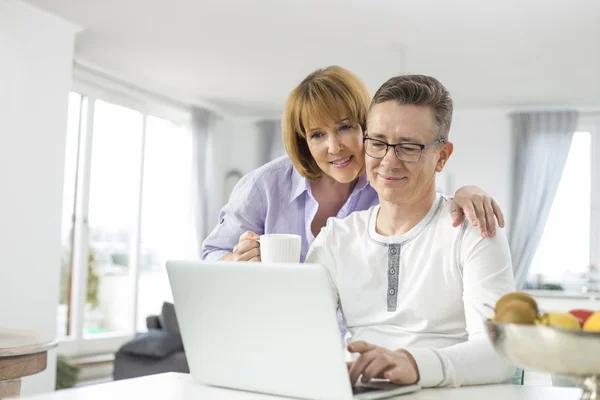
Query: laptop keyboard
x=364, y=389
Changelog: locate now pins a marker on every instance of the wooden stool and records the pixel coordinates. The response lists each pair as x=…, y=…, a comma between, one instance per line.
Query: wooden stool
x=22, y=353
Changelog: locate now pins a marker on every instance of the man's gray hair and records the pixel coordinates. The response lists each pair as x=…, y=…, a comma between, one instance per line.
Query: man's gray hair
x=419, y=90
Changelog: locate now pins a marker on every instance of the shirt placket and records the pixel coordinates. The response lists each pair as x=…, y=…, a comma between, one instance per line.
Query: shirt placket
x=393, y=269
x=310, y=210
x=343, y=213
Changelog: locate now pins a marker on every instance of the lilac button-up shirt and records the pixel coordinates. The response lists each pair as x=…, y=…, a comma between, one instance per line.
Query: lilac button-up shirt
x=276, y=199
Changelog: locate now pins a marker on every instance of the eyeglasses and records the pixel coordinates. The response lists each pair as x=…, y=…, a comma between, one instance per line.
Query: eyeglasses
x=407, y=152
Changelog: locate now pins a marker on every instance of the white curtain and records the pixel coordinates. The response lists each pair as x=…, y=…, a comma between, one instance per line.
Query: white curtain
x=270, y=141
x=203, y=122
x=542, y=143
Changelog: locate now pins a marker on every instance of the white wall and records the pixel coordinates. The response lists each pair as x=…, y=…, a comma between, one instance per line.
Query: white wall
x=36, y=50
x=219, y=144
x=483, y=154
x=245, y=152
x=232, y=145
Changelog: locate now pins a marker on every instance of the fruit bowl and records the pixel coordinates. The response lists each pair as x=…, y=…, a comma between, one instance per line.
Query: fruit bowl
x=553, y=350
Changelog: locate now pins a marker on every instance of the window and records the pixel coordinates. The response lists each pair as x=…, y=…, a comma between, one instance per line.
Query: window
x=167, y=229
x=112, y=216
x=68, y=211
x=127, y=208
x=567, y=247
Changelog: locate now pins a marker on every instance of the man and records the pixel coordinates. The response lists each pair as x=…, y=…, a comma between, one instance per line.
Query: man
x=413, y=290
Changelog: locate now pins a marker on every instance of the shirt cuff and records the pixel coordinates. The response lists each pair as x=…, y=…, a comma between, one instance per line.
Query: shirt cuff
x=431, y=372
x=215, y=255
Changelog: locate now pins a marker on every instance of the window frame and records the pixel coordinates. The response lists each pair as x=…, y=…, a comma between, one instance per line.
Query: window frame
x=592, y=125
x=94, y=87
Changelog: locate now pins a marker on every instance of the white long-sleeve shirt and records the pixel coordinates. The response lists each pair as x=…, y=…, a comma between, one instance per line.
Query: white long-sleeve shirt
x=424, y=291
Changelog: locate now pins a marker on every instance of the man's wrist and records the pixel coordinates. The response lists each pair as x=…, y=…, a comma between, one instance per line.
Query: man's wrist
x=411, y=360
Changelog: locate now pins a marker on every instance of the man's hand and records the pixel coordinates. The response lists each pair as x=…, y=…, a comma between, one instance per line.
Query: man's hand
x=377, y=362
x=479, y=208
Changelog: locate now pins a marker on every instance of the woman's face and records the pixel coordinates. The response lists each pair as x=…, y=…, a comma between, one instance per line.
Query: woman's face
x=337, y=148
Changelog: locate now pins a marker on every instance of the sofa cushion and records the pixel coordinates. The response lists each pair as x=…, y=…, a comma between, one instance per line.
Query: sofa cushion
x=153, y=322
x=154, y=343
x=168, y=318
x=132, y=366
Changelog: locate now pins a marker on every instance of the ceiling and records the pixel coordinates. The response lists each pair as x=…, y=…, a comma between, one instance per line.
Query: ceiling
x=245, y=56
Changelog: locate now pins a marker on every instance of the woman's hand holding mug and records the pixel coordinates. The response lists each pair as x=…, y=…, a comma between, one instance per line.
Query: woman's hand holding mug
x=248, y=247
x=271, y=248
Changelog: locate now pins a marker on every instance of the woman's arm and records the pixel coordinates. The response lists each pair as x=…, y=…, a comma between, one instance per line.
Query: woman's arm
x=244, y=213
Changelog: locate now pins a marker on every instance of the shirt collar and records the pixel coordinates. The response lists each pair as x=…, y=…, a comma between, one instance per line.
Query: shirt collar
x=361, y=184
x=301, y=184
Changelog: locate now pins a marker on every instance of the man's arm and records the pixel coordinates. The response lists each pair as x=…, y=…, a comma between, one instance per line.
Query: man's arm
x=319, y=253
x=487, y=275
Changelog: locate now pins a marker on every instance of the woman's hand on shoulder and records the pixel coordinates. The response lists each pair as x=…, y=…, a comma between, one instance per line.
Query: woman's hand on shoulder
x=480, y=209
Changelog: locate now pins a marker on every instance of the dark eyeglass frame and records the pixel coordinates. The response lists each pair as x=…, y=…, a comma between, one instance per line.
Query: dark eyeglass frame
x=421, y=146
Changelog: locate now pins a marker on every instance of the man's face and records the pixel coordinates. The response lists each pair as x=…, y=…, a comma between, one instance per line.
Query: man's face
x=398, y=181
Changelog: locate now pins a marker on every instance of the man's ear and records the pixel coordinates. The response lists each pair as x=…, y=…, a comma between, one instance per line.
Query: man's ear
x=445, y=153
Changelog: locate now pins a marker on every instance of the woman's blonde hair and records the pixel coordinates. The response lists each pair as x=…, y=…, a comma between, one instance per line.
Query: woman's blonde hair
x=326, y=95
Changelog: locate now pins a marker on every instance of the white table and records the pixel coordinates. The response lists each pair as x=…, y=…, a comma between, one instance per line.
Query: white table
x=174, y=386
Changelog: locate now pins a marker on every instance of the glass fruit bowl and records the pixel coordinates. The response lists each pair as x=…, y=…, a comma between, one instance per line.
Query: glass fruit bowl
x=572, y=353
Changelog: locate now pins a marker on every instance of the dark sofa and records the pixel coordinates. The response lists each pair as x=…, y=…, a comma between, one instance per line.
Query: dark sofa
x=156, y=351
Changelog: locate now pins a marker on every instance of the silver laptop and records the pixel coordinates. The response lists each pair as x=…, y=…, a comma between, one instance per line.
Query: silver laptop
x=265, y=328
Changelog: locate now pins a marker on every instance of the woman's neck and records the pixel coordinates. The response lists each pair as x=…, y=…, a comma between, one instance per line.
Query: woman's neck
x=328, y=189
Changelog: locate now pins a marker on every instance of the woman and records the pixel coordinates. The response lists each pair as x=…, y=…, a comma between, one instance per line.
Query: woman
x=323, y=124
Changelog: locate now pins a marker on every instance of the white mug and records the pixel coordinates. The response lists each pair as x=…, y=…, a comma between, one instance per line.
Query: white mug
x=280, y=248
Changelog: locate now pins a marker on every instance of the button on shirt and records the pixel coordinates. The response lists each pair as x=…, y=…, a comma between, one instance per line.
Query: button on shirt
x=275, y=198
x=424, y=291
